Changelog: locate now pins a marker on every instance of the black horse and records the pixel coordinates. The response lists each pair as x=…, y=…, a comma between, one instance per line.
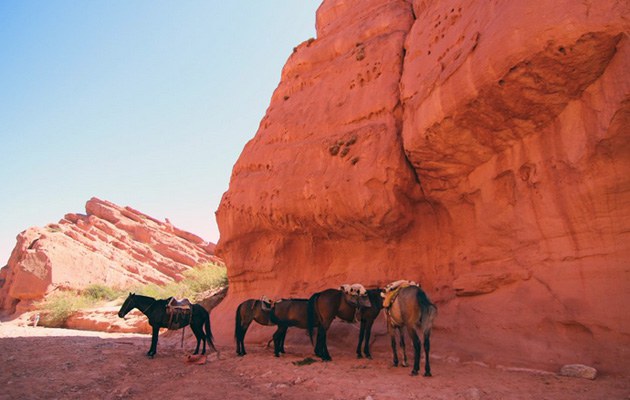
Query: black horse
x=346, y=304
x=247, y=312
x=412, y=309
x=155, y=310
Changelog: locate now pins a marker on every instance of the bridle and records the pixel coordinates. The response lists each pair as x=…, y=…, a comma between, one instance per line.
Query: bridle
x=135, y=303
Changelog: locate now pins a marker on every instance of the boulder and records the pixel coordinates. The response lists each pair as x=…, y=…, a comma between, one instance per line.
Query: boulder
x=578, y=371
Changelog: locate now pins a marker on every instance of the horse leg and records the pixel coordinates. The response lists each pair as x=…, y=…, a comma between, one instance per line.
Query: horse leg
x=321, y=349
x=368, y=333
x=284, y=335
x=154, y=340
x=240, y=338
x=416, y=349
x=361, y=336
x=318, y=346
x=427, y=347
x=392, y=338
x=277, y=339
x=198, y=331
x=402, y=346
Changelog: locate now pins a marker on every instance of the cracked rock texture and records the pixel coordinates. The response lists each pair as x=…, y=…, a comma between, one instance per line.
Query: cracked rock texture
x=109, y=245
x=480, y=148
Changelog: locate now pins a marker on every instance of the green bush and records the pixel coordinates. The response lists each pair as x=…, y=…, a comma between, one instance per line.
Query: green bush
x=59, y=306
x=98, y=292
x=196, y=280
x=205, y=277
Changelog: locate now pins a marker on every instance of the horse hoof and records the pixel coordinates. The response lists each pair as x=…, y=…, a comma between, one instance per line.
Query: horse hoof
x=395, y=364
x=359, y=356
x=368, y=356
x=414, y=373
x=427, y=374
x=406, y=365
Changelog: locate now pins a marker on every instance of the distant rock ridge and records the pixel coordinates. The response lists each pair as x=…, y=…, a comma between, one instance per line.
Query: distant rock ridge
x=111, y=245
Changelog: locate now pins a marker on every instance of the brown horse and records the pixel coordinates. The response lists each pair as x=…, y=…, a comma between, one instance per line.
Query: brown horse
x=412, y=309
x=367, y=315
x=324, y=306
x=287, y=313
x=248, y=311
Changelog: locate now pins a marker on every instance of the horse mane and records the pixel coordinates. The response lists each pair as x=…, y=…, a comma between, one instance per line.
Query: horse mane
x=143, y=296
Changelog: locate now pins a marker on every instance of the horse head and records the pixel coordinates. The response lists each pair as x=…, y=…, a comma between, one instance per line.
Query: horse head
x=266, y=303
x=127, y=306
x=356, y=294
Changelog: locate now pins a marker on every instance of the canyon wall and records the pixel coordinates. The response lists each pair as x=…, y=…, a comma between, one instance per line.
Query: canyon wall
x=480, y=148
x=110, y=245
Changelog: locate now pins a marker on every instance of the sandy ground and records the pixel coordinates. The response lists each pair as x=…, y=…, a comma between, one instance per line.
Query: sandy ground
x=45, y=363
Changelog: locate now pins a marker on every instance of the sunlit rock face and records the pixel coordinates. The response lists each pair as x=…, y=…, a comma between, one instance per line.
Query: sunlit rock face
x=480, y=148
x=109, y=245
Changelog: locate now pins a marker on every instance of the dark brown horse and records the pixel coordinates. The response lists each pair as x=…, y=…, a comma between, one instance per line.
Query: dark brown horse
x=287, y=313
x=345, y=304
x=155, y=310
x=411, y=309
x=248, y=311
x=367, y=315
x=284, y=313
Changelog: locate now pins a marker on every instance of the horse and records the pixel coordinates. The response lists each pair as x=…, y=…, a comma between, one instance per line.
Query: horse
x=343, y=303
x=411, y=309
x=287, y=313
x=248, y=311
x=156, y=312
x=367, y=315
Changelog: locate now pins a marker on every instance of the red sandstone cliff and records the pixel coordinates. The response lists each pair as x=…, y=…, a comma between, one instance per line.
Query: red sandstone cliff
x=111, y=245
x=481, y=148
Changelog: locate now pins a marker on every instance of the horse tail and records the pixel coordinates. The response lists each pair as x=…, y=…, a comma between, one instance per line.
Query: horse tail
x=429, y=311
x=311, y=315
x=209, y=336
x=238, y=329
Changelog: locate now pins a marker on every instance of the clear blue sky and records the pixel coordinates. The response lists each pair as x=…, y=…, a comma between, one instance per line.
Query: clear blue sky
x=144, y=103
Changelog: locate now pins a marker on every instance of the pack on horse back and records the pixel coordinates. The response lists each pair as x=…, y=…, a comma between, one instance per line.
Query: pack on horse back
x=179, y=313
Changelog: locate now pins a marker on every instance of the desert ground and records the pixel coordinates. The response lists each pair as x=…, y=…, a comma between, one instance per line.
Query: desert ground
x=47, y=363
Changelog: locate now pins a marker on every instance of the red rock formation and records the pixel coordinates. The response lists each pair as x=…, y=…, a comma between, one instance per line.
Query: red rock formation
x=481, y=148
x=112, y=245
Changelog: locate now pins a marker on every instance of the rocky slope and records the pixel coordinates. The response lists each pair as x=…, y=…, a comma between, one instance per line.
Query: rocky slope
x=110, y=245
x=481, y=148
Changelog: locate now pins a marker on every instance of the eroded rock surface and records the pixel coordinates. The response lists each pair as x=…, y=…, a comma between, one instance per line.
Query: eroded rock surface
x=110, y=245
x=481, y=148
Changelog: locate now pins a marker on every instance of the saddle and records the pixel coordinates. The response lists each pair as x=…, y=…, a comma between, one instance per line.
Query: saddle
x=267, y=304
x=179, y=313
x=391, y=291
